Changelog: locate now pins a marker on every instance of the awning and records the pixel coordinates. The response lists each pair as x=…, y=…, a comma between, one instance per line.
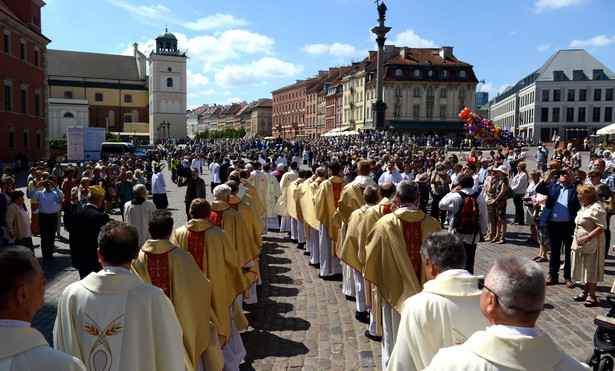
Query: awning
x=426, y=125
x=607, y=130
x=339, y=129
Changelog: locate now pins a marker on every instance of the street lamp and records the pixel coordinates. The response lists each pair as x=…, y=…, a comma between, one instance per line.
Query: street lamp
x=161, y=128
x=168, y=129
x=379, y=107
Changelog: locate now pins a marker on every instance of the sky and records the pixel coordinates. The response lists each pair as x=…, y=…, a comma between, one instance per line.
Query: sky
x=241, y=50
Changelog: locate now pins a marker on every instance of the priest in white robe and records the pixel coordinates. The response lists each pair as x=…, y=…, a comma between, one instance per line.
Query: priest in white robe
x=104, y=318
x=138, y=212
x=21, y=346
x=512, y=298
x=281, y=206
x=273, y=193
x=445, y=312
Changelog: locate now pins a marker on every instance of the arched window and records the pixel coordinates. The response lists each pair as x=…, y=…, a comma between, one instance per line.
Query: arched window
x=128, y=118
x=169, y=82
x=135, y=115
x=111, y=118
x=68, y=114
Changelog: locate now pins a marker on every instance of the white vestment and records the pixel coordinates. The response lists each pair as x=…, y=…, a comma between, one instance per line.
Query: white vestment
x=112, y=320
x=445, y=313
x=313, y=246
x=273, y=193
x=488, y=350
x=24, y=348
x=139, y=216
x=329, y=265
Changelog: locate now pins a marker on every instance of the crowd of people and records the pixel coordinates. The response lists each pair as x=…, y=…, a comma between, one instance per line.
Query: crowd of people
x=368, y=210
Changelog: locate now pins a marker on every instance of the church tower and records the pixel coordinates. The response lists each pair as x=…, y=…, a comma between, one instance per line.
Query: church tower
x=167, y=89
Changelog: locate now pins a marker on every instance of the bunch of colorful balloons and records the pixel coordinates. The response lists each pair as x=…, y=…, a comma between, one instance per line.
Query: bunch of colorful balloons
x=484, y=130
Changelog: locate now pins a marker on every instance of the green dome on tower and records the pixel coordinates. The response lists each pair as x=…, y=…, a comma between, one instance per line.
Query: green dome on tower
x=166, y=43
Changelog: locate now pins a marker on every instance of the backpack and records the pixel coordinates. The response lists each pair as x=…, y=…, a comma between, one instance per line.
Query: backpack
x=466, y=219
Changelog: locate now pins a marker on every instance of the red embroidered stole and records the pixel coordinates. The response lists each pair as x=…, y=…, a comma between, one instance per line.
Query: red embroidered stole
x=215, y=218
x=337, y=192
x=196, y=246
x=413, y=240
x=158, y=270
x=386, y=209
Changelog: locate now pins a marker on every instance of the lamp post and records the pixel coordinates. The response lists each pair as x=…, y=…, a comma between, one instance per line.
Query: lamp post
x=169, y=129
x=161, y=128
x=379, y=107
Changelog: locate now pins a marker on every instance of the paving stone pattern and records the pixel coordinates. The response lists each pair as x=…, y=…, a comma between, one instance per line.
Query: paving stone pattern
x=304, y=323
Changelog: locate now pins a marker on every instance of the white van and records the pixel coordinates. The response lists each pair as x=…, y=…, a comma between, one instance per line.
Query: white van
x=118, y=149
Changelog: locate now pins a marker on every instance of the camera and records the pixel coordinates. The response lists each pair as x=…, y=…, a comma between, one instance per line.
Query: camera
x=45, y=183
x=559, y=172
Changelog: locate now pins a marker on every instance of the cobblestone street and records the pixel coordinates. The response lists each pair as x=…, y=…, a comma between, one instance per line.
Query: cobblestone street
x=302, y=322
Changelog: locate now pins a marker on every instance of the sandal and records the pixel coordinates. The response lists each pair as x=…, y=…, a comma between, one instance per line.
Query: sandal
x=591, y=301
x=501, y=241
x=542, y=260
x=581, y=297
x=536, y=258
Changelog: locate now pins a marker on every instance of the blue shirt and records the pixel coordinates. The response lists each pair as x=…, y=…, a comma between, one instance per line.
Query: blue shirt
x=47, y=201
x=560, y=211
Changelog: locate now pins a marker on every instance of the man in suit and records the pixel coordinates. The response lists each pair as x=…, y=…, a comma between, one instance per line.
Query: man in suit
x=559, y=213
x=195, y=189
x=223, y=172
x=84, y=226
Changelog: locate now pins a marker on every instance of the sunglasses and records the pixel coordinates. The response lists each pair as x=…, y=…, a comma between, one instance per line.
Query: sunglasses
x=593, y=176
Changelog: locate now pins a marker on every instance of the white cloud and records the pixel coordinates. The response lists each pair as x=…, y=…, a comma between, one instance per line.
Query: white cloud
x=229, y=101
x=544, y=47
x=600, y=40
x=492, y=90
x=336, y=49
x=146, y=14
x=411, y=39
x=541, y=5
x=254, y=73
x=216, y=21
x=196, y=80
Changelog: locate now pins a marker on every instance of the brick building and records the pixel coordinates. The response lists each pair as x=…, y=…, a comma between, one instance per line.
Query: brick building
x=22, y=76
x=289, y=107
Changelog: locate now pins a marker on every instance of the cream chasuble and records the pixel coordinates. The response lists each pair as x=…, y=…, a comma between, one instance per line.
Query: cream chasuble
x=273, y=193
x=349, y=251
x=174, y=271
x=251, y=191
x=485, y=351
x=255, y=223
x=393, y=263
x=326, y=199
x=305, y=197
x=258, y=179
x=445, y=313
x=104, y=318
x=211, y=250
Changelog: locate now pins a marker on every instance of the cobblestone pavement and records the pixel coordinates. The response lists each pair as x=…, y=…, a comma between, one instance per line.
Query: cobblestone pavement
x=303, y=322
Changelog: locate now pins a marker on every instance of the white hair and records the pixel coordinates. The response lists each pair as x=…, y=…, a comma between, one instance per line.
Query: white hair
x=222, y=192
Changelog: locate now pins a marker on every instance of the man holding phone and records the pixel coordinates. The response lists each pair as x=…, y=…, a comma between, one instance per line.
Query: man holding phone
x=48, y=218
x=559, y=213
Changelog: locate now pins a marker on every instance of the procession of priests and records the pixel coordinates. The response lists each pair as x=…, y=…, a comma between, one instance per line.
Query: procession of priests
x=174, y=298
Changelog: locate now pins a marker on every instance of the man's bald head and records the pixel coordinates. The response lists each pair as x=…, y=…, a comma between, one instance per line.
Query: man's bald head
x=387, y=189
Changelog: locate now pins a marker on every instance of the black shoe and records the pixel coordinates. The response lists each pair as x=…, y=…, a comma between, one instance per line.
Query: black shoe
x=315, y=265
x=306, y=253
x=301, y=245
x=350, y=298
x=362, y=317
x=333, y=277
x=372, y=337
x=294, y=241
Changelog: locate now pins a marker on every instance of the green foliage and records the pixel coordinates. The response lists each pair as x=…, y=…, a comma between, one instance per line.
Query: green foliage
x=57, y=143
x=226, y=133
x=110, y=137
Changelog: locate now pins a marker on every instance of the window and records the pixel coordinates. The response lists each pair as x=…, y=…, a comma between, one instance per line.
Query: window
x=463, y=74
x=557, y=94
x=23, y=98
x=128, y=118
x=558, y=75
x=8, y=98
x=169, y=82
x=127, y=98
x=443, y=92
x=581, y=114
x=569, y=114
x=577, y=75
x=415, y=110
x=398, y=91
x=37, y=104
x=608, y=114
x=26, y=138
x=399, y=72
x=429, y=92
x=555, y=114
x=442, y=111
x=98, y=97
x=430, y=73
x=582, y=95
x=462, y=93
x=11, y=137
x=416, y=73
x=444, y=74
x=39, y=138
x=36, y=58
x=68, y=95
x=397, y=110
x=570, y=95
x=7, y=43
x=430, y=110
x=608, y=96
x=596, y=114
x=417, y=92
x=597, y=74
x=22, y=50
x=597, y=94
x=68, y=115
x=545, y=95
x=544, y=114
